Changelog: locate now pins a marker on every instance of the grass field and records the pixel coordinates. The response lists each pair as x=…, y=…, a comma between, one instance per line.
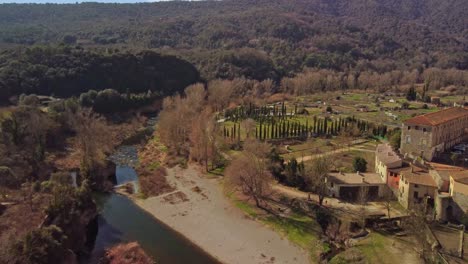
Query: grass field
x=300, y=229
x=378, y=248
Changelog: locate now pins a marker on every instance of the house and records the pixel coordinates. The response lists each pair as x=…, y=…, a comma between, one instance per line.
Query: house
x=416, y=187
x=429, y=135
x=385, y=159
x=459, y=193
x=348, y=186
x=452, y=204
x=441, y=175
x=394, y=175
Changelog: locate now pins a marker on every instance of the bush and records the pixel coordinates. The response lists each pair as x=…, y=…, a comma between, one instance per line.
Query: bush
x=360, y=164
x=41, y=246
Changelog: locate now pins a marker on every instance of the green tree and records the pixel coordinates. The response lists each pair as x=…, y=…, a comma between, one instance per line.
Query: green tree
x=360, y=164
x=395, y=139
x=41, y=246
x=411, y=94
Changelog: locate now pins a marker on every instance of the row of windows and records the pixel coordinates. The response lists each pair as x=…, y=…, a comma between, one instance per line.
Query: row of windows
x=417, y=128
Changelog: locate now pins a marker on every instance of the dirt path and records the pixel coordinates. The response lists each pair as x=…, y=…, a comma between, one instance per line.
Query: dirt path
x=329, y=153
x=200, y=211
x=371, y=207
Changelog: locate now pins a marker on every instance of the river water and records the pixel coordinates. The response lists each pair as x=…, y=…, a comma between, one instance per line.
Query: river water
x=120, y=220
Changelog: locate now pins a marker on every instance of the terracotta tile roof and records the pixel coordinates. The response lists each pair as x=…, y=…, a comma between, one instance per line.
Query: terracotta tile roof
x=418, y=177
x=401, y=169
x=444, y=170
x=439, y=117
x=354, y=178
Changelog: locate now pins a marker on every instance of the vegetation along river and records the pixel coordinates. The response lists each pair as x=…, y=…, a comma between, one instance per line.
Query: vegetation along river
x=120, y=220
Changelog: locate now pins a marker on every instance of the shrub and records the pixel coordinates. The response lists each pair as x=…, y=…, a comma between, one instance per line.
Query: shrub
x=360, y=164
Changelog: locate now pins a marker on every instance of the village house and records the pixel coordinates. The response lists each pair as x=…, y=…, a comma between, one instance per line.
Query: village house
x=386, y=159
x=429, y=135
x=459, y=194
x=416, y=187
x=348, y=186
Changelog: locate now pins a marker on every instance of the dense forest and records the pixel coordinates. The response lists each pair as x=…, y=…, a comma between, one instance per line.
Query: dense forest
x=65, y=71
x=259, y=39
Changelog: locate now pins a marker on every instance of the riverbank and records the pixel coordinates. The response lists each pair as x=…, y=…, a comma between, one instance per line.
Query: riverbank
x=199, y=210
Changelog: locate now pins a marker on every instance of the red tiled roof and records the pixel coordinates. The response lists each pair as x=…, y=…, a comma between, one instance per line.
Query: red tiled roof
x=439, y=117
x=418, y=177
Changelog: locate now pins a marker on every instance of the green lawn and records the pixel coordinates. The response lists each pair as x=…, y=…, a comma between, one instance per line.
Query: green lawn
x=298, y=228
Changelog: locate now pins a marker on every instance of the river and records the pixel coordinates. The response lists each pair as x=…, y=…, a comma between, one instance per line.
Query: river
x=120, y=220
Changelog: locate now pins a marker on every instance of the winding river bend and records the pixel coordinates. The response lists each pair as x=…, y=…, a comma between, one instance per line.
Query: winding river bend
x=120, y=220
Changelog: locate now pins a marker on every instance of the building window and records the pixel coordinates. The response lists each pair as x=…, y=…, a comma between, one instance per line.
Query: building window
x=416, y=186
x=409, y=127
x=416, y=127
x=424, y=129
x=408, y=139
x=415, y=195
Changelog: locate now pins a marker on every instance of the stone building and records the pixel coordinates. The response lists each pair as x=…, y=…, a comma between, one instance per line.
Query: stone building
x=348, y=186
x=385, y=160
x=416, y=187
x=459, y=193
x=430, y=134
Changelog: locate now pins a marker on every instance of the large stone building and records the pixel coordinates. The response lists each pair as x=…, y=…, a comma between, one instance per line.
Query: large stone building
x=430, y=134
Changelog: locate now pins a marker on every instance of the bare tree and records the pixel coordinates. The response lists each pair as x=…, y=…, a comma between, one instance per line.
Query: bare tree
x=219, y=93
x=387, y=200
x=195, y=97
x=249, y=126
x=416, y=224
x=92, y=140
x=316, y=176
x=249, y=172
x=203, y=138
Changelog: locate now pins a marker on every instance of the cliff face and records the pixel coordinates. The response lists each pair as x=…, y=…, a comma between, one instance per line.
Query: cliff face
x=130, y=253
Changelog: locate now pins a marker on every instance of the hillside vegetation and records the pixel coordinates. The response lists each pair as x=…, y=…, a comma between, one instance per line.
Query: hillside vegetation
x=228, y=39
x=65, y=71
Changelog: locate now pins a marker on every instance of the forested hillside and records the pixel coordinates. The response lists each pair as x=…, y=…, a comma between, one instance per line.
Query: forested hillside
x=228, y=39
x=65, y=71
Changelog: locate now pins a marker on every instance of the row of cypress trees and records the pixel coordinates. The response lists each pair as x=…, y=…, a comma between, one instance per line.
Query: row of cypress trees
x=284, y=129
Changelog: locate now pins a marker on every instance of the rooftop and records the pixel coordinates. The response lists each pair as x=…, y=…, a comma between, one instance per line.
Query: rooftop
x=355, y=178
x=420, y=177
x=385, y=154
x=444, y=170
x=439, y=117
x=460, y=176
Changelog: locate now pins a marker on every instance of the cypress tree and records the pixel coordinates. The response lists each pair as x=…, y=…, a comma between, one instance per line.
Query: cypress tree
x=325, y=124
x=260, y=132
